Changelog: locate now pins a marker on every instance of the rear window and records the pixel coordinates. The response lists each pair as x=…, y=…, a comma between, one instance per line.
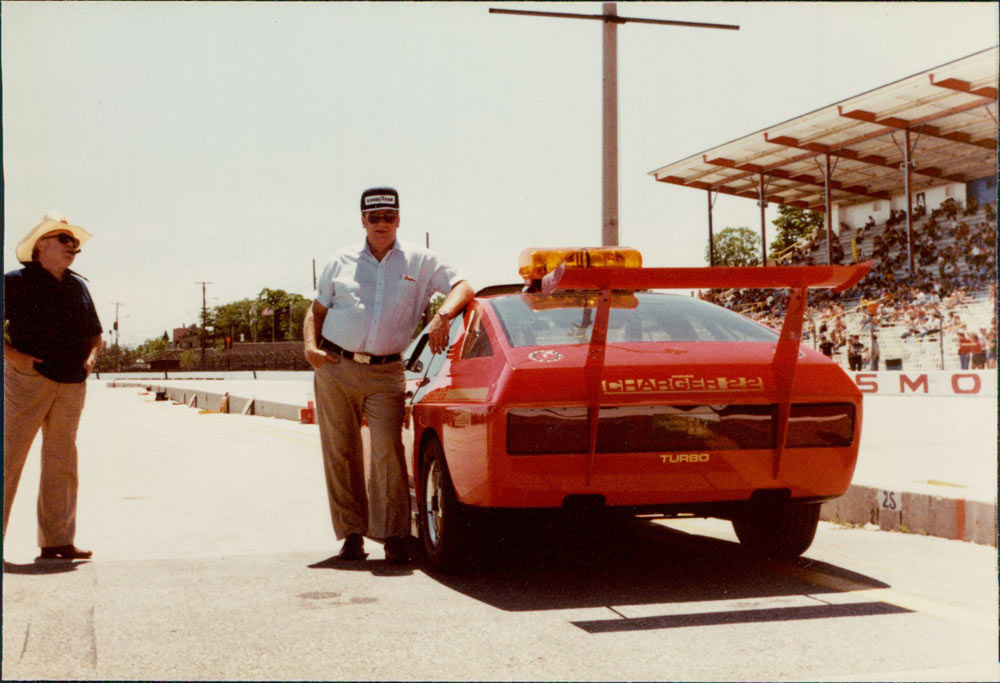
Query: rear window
x=568, y=318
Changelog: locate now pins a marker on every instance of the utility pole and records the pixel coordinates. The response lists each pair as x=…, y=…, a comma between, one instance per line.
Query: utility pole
x=609, y=134
x=117, y=305
x=204, y=319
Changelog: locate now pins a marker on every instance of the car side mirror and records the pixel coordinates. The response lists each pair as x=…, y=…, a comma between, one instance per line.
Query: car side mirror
x=413, y=363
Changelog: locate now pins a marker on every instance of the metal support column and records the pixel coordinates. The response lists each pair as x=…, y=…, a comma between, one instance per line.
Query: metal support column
x=829, y=214
x=711, y=237
x=763, y=229
x=941, y=338
x=909, y=204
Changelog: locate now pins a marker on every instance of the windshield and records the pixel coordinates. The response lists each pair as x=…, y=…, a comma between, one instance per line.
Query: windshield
x=568, y=318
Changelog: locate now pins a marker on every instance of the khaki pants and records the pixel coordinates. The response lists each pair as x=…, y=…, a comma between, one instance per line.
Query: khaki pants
x=30, y=402
x=345, y=392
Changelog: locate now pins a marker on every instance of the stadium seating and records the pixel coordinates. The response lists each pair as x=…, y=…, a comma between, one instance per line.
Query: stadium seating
x=953, y=287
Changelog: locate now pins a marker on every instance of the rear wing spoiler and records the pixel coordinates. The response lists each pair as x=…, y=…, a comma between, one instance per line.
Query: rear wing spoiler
x=800, y=279
x=837, y=278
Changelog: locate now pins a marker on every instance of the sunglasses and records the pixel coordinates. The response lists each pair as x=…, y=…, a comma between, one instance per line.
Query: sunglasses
x=64, y=239
x=387, y=217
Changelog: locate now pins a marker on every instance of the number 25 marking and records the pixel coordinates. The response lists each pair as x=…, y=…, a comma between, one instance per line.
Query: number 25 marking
x=889, y=500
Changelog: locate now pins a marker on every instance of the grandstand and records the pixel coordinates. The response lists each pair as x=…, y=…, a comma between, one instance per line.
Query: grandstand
x=907, y=179
x=956, y=294
x=953, y=286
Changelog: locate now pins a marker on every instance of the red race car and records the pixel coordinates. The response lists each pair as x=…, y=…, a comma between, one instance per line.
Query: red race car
x=583, y=387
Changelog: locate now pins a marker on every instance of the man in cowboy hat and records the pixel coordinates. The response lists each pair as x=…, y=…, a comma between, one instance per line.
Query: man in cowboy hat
x=368, y=302
x=52, y=337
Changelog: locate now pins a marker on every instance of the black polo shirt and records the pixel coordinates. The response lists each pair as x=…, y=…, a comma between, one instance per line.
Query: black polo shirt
x=51, y=320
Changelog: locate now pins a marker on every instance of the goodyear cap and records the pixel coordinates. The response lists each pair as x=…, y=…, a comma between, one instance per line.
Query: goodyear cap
x=375, y=198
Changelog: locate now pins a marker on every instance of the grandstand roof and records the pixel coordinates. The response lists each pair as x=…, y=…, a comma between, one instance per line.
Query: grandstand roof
x=950, y=112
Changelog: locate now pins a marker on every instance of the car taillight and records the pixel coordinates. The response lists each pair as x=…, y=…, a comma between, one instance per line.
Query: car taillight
x=537, y=431
x=815, y=425
x=650, y=429
x=641, y=429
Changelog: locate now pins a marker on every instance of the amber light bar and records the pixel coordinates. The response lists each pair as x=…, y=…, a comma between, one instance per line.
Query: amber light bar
x=534, y=263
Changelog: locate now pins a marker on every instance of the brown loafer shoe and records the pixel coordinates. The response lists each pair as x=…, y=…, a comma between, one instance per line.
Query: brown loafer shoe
x=395, y=550
x=353, y=548
x=65, y=552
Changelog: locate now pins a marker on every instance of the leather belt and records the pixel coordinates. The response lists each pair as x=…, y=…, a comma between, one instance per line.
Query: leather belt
x=357, y=356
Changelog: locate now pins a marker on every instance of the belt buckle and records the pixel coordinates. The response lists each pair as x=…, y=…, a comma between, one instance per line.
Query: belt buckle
x=363, y=358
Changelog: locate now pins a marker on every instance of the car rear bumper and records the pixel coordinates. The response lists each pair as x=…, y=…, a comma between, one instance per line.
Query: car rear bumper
x=650, y=479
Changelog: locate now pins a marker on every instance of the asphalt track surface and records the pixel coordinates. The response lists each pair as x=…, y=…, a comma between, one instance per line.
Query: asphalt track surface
x=213, y=560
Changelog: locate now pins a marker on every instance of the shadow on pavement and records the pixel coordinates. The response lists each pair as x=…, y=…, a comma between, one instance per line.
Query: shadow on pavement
x=551, y=565
x=374, y=567
x=41, y=568
x=739, y=616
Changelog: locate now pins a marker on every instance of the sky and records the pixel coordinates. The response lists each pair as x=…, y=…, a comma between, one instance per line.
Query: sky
x=229, y=143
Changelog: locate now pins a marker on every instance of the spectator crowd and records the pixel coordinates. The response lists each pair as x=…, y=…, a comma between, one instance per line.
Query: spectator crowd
x=955, y=265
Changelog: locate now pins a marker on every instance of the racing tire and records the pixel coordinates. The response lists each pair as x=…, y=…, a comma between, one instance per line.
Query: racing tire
x=783, y=530
x=447, y=531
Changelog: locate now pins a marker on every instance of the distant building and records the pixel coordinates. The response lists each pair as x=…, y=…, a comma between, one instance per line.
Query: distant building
x=187, y=337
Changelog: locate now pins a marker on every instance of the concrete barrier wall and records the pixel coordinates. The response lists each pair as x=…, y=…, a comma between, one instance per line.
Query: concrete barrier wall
x=927, y=382
x=213, y=400
x=920, y=513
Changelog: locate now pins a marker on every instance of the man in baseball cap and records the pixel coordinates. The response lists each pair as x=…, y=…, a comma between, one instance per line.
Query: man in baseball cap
x=368, y=302
x=52, y=337
x=376, y=198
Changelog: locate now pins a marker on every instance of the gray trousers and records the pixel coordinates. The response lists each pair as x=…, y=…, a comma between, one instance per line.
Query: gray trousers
x=346, y=392
x=32, y=402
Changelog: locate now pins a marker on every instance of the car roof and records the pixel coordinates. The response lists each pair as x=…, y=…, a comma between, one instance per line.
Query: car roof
x=494, y=290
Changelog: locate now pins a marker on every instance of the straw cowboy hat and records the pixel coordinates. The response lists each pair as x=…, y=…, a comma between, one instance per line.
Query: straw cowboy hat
x=52, y=221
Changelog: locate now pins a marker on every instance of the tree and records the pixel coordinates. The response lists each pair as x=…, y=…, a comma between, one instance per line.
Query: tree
x=299, y=306
x=124, y=359
x=112, y=359
x=288, y=311
x=234, y=319
x=736, y=247
x=151, y=348
x=190, y=360
x=793, y=224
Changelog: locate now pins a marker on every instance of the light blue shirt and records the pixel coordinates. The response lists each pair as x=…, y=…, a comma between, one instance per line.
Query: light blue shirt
x=374, y=306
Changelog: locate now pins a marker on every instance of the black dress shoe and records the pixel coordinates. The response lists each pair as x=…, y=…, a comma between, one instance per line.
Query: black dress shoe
x=353, y=548
x=65, y=552
x=395, y=550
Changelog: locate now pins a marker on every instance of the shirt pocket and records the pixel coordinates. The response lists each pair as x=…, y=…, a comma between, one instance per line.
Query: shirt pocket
x=407, y=294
